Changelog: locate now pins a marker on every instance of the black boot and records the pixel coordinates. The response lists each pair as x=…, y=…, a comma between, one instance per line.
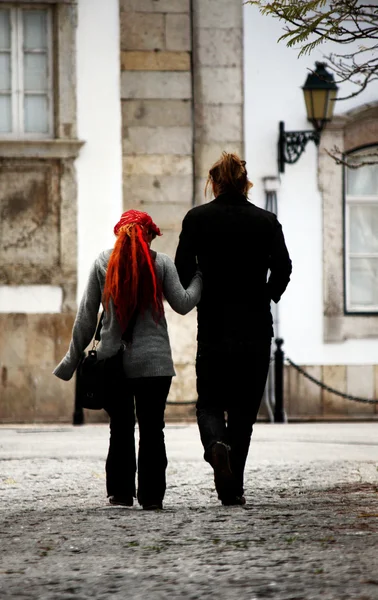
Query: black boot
x=223, y=478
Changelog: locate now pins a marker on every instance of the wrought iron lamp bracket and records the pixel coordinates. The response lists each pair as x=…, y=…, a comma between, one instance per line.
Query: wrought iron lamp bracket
x=291, y=145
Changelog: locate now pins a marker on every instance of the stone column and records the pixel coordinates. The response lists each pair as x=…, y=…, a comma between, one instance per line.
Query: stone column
x=218, y=83
x=156, y=96
x=182, y=96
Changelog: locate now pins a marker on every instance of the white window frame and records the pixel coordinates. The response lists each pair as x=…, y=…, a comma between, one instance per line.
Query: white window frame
x=351, y=201
x=17, y=66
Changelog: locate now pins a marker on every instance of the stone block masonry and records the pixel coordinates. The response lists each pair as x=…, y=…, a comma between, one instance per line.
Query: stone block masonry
x=142, y=31
x=218, y=84
x=156, y=6
x=306, y=400
x=182, y=105
x=177, y=31
x=156, y=97
x=30, y=347
x=155, y=61
x=157, y=139
x=181, y=92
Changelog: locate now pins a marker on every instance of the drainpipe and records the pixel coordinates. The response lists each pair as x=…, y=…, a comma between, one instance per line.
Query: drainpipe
x=271, y=186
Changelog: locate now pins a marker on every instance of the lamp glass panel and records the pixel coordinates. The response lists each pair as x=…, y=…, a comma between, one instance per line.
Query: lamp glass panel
x=331, y=104
x=309, y=106
x=320, y=101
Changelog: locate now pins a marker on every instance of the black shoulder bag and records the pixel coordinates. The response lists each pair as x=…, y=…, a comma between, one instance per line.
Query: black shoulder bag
x=99, y=381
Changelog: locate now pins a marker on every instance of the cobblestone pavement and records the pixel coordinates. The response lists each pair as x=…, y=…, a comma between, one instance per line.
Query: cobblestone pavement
x=308, y=531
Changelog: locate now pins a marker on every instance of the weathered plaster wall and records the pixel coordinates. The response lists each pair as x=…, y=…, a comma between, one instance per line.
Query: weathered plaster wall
x=31, y=298
x=30, y=345
x=38, y=245
x=38, y=225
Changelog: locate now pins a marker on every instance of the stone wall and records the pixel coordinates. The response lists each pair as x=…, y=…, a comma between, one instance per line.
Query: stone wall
x=181, y=65
x=156, y=97
x=182, y=101
x=38, y=246
x=218, y=84
x=353, y=130
x=306, y=400
x=30, y=347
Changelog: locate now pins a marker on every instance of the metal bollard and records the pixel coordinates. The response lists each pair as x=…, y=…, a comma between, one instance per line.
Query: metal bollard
x=279, y=416
x=78, y=414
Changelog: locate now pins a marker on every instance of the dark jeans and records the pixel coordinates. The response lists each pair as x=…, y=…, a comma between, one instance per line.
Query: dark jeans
x=230, y=386
x=150, y=395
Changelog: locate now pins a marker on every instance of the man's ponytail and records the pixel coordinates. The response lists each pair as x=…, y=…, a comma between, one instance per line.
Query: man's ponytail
x=229, y=174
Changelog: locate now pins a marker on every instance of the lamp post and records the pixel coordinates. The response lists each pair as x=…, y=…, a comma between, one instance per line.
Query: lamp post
x=319, y=92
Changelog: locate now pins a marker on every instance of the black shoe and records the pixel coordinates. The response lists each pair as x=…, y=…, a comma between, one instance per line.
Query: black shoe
x=223, y=478
x=121, y=500
x=234, y=501
x=157, y=506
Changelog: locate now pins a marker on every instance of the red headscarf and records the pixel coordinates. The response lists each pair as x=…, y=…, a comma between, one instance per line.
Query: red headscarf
x=131, y=280
x=136, y=217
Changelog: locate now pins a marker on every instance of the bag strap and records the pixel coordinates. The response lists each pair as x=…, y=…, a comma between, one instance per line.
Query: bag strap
x=97, y=336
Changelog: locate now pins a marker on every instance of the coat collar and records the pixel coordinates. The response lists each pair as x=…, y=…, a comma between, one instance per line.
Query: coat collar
x=233, y=197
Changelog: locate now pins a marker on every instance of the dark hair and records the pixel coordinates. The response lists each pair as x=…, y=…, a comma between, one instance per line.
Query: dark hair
x=229, y=174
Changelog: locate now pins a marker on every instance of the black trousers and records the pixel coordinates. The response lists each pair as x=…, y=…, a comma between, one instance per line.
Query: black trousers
x=145, y=396
x=230, y=384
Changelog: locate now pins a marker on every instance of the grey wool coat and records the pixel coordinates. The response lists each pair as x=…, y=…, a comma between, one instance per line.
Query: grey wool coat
x=150, y=354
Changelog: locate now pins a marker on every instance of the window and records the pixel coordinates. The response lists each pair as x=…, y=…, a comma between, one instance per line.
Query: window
x=361, y=235
x=26, y=109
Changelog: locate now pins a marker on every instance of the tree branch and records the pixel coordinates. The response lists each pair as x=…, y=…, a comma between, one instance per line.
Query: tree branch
x=347, y=160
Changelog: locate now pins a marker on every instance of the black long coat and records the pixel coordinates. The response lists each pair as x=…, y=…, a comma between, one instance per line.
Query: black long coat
x=235, y=245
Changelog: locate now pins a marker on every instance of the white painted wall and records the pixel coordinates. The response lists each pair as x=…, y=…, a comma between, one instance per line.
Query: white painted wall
x=99, y=166
x=273, y=78
x=30, y=299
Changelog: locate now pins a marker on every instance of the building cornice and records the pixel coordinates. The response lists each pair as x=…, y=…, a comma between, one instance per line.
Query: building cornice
x=47, y=149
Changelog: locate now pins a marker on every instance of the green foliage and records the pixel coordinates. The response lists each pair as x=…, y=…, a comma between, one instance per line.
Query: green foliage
x=309, y=23
x=336, y=20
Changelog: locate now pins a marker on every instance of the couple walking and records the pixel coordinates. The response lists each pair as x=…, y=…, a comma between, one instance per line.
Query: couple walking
x=225, y=251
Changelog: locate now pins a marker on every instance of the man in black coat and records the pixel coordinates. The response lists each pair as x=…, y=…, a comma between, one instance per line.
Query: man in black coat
x=235, y=244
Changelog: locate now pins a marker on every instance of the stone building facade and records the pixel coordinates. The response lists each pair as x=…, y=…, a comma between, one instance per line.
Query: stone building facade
x=182, y=105
x=356, y=129
x=181, y=97
x=38, y=240
x=183, y=69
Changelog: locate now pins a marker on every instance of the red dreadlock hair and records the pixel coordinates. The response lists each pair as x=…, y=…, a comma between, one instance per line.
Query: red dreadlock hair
x=131, y=281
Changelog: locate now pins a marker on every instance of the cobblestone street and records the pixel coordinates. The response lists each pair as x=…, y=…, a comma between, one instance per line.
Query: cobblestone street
x=309, y=529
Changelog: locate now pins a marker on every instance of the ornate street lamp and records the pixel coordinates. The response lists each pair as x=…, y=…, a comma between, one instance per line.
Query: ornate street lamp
x=320, y=93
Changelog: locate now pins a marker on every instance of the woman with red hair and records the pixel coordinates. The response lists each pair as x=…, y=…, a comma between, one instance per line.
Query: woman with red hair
x=131, y=281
